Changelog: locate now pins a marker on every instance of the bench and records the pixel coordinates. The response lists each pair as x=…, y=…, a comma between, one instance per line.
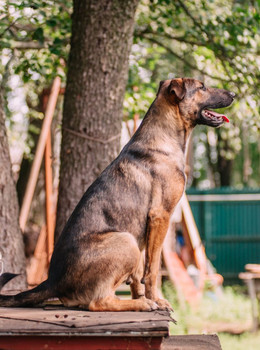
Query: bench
x=252, y=279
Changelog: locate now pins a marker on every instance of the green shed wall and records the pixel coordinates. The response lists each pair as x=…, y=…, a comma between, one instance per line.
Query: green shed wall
x=229, y=225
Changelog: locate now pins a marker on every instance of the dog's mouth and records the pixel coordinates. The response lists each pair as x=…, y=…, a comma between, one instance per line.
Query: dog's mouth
x=213, y=116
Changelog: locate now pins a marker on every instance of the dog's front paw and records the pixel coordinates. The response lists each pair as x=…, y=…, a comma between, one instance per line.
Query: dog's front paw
x=148, y=305
x=164, y=305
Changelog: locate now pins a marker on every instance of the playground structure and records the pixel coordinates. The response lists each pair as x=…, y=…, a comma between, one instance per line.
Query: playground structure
x=189, y=288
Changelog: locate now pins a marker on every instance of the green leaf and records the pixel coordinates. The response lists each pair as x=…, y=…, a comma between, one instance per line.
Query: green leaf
x=38, y=35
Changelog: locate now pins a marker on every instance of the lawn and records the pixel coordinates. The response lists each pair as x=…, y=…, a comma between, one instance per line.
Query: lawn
x=228, y=315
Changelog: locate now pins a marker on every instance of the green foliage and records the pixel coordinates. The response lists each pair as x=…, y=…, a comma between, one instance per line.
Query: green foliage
x=34, y=37
x=215, y=41
x=37, y=35
x=232, y=309
x=143, y=78
x=247, y=341
x=218, y=42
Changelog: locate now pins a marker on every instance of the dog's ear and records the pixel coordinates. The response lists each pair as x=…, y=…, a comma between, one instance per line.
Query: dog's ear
x=160, y=85
x=177, y=90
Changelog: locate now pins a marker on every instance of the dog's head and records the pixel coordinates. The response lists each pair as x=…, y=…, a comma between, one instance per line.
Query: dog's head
x=195, y=101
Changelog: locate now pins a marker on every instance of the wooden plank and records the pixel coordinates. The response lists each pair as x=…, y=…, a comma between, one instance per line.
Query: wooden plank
x=252, y=280
x=63, y=321
x=198, y=248
x=191, y=342
x=39, y=153
x=179, y=276
x=147, y=329
x=49, y=197
x=35, y=271
x=249, y=275
x=255, y=268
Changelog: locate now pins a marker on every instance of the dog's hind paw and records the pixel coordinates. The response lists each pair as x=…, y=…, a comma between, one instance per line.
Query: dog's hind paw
x=164, y=305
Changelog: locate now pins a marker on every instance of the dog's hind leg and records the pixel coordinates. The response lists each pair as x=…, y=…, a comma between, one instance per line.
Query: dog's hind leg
x=111, y=303
x=137, y=288
x=120, y=259
x=138, y=303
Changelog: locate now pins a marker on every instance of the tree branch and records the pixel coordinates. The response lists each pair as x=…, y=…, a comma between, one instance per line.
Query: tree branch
x=6, y=72
x=169, y=36
x=187, y=63
x=29, y=45
x=7, y=28
x=182, y=39
x=196, y=23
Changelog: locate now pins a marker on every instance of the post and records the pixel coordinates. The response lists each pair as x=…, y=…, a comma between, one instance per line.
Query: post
x=49, y=197
x=39, y=153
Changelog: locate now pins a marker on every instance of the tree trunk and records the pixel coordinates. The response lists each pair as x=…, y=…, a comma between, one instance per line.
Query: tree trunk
x=225, y=171
x=11, y=240
x=246, y=155
x=224, y=165
x=97, y=70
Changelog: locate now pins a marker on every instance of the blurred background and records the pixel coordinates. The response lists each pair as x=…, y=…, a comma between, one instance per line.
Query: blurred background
x=215, y=41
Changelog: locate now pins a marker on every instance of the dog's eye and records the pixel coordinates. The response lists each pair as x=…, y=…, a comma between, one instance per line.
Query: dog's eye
x=203, y=87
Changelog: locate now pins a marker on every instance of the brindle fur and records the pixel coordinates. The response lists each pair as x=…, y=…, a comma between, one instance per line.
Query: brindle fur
x=127, y=209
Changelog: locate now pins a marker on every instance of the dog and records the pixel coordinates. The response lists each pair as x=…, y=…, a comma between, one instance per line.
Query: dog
x=127, y=209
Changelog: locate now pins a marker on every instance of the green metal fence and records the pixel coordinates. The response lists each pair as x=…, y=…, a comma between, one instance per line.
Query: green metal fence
x=229, y=224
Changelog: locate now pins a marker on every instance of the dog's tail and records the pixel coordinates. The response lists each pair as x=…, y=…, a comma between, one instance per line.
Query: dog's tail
x=6, y=277
x=28, y=298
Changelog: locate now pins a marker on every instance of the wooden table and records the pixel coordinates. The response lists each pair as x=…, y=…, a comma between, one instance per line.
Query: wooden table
x=60, y=328
x=252, y=280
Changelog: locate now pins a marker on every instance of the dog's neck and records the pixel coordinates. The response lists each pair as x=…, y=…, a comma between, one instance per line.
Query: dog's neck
x=167, y=130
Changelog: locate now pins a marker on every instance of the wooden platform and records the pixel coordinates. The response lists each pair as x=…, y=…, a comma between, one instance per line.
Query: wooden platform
x=55, y=327
x=60, y=328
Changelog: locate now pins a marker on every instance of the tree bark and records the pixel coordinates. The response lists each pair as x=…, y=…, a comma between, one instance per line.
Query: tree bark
x=246, y=155
x=97, y=70
x=224, y=165
x=225, y=171
x=11, y=240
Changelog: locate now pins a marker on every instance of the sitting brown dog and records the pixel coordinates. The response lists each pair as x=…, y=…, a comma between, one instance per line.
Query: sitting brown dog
x=127, y=209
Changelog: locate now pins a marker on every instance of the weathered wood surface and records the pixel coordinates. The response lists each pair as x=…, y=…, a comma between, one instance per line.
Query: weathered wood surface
x=55, y=327
x=62, y=321
x=191, y=342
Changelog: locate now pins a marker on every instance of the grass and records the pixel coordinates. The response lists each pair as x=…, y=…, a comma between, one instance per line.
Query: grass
x=228, y=315
x=248, y=341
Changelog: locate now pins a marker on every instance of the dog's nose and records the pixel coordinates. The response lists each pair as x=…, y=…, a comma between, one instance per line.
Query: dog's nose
x=232, y=94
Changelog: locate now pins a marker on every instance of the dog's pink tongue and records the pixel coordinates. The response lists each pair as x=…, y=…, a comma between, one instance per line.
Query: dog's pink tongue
x=220, y=115
x=225, y=118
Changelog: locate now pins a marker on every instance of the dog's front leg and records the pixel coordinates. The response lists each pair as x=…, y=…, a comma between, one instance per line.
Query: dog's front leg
x=158, y=222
